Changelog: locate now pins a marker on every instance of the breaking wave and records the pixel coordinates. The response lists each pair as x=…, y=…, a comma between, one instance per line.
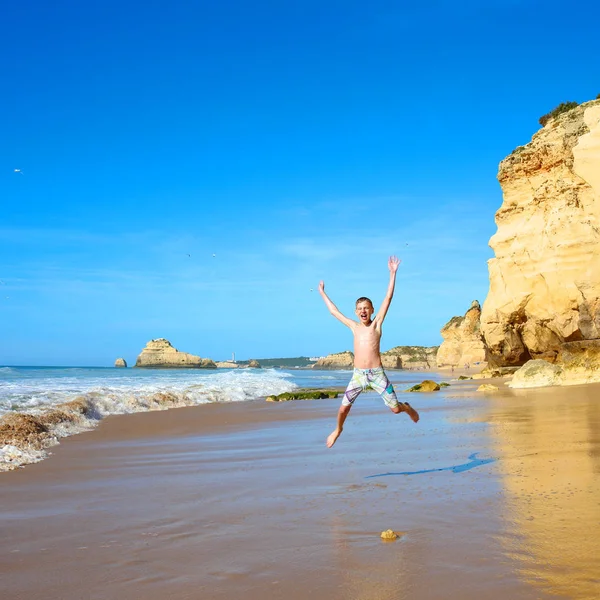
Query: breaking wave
x=38, y=412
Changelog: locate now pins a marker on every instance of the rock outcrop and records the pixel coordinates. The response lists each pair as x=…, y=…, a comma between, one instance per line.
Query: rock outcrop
x=463, y=342
x=410, y=357
x=545, y=277
x=341, y=360
x=577, y=363
x=120, y=363
x=160, y=354
x=253, y=364
x=391, y=361
x=487, y=387
x=425, y=386
x=227, y=364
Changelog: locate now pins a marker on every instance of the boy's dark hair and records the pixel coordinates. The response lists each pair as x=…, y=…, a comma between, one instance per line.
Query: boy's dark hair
x=364, y=299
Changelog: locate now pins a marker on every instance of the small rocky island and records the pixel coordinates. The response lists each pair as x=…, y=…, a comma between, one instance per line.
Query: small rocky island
x=160, y=354
x=121, y=363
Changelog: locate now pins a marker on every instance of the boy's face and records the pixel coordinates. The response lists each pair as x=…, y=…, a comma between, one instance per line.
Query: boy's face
x=364, y=311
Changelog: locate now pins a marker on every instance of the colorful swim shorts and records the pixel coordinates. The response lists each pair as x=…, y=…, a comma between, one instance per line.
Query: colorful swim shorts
x=375, y=379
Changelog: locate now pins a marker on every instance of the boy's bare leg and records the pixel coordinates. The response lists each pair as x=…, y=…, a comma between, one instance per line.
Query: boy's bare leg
x=408, y=409
x=341, y=417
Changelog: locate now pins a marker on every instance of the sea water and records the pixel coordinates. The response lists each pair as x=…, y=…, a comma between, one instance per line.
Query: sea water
x=68, y=400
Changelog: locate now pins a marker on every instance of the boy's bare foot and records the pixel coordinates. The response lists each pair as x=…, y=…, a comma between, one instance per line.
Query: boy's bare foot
x=412, y=413
x=334, y=435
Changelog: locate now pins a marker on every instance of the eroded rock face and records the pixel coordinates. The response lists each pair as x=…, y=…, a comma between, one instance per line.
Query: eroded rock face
x=121, y=363
x=391, y=361
x=160, y=354
x=545, y=277
x=341, y=360
x=463, y=342
x=410, y=357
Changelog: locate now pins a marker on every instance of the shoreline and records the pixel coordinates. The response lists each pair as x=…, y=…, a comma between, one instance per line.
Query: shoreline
x=27, y=435
x=243, y=499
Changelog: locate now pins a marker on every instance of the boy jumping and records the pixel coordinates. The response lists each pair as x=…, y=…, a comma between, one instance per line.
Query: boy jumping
x=368, y=371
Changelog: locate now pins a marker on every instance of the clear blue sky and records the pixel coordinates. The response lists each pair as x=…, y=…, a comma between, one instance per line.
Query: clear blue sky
x=296, y=141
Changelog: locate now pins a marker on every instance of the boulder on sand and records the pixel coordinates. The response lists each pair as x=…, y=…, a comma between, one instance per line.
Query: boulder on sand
x=425, y=386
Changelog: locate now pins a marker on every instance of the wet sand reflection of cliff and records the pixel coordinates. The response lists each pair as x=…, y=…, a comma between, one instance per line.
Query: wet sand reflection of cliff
x=548, y=441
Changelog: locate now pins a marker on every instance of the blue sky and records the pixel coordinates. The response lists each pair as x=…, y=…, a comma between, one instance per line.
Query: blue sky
x=295, y=141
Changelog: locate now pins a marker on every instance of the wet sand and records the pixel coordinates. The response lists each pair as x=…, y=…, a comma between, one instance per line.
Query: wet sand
x=244, y=500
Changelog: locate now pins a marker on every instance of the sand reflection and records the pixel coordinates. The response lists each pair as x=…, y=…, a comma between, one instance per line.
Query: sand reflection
x=548, y=445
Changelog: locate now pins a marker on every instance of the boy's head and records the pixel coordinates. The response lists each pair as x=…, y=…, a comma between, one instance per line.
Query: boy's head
x=364, y=309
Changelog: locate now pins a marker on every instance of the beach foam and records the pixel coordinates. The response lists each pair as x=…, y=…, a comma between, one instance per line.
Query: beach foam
x=38, y=411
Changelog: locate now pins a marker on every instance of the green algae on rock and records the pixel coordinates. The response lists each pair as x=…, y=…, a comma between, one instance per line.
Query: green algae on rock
x=303, y=394
x=425, y=386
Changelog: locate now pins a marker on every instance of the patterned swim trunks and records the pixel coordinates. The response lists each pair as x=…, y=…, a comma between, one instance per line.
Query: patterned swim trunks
x=377, y=380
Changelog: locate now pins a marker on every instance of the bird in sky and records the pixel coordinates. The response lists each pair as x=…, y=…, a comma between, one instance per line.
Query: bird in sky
x=189, y=256
x=19, y=171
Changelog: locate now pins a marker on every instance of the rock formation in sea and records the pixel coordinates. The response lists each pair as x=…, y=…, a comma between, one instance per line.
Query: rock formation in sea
x=160, y=354
x=253, y=364
x=120, y=362
x=545, y=276
x=463, y=342
x=341, y=360
x=410, y=357
x=227, y=364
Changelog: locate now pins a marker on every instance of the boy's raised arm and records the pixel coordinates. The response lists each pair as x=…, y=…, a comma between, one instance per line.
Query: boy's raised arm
x=333, y=309
x=393, y=264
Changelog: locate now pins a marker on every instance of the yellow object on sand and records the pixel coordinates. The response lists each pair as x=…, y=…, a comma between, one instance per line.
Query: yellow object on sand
x=389, y=534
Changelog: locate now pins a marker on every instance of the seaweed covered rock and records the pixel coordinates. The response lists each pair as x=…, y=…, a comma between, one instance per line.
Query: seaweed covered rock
x=303, y=394
x=425, y=386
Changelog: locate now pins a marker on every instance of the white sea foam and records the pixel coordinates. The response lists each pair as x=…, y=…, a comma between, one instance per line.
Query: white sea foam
x=49, y=396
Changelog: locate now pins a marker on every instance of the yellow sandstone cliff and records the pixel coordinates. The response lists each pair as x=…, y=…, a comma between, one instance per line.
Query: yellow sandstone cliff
x=545, y=277
x=463, y=342
x=160, y=354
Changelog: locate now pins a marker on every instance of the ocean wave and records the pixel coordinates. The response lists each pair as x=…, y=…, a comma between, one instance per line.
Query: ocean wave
x=35, y=421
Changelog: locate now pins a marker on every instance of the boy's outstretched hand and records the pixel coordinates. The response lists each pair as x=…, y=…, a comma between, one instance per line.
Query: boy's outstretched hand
x=393, y=264
x=321, y=286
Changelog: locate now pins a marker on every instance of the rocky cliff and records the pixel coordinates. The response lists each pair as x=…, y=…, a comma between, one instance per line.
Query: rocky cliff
x=463, y=342
x=410, y=357
x=341, y=360
x=160, y=354
x=545, y=276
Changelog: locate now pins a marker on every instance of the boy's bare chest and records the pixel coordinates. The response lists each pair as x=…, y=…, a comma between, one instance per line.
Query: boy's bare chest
x=367, y=336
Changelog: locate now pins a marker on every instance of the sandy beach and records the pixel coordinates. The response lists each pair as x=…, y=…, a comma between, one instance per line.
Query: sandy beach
x=244, y=500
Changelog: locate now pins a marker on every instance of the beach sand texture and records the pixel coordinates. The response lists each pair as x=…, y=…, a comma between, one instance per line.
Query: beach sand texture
x=244, y=500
